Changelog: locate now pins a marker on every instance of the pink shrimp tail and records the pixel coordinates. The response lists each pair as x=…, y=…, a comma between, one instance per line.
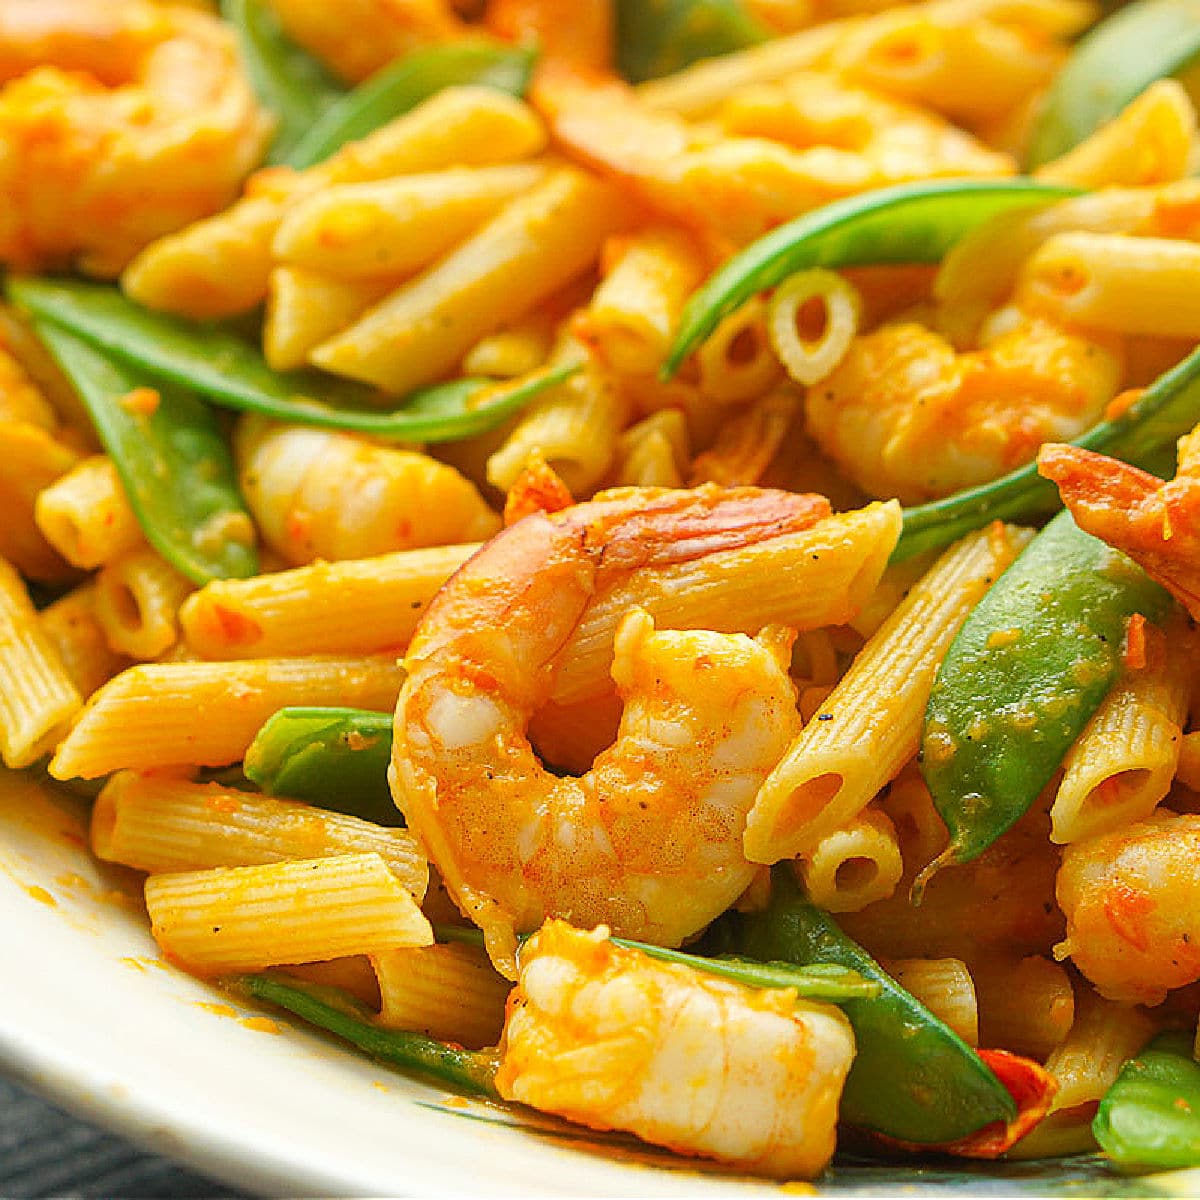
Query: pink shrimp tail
x=1157, y=524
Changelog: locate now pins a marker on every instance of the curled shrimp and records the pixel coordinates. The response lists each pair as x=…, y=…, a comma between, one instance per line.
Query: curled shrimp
x=357, y=37
x=649, y=840
x=1132, y=903
x=316, y=493
x=120, y=121
x=905, y=415
x=1157, y=524
x=608, y=1037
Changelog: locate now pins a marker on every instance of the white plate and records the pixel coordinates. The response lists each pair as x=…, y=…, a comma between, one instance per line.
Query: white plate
x=91, y=1017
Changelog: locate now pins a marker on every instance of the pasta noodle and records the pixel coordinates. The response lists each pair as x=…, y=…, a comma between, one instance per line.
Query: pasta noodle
x=855, y=866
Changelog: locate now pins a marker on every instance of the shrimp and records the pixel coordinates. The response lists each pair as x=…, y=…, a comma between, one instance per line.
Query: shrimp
x=357, y=37
x=1157, y=524
x=904, y=415
x=608, y=1037
x=316, y=493
x=1132, y=902
x=649, y=840
x=120, y=121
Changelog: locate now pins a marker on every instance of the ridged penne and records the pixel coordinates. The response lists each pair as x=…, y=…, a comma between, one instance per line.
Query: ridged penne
x=735, y=362
x=945, y=987
x=160, y=823
x=839, y=762
x=234, y=919
x=206, y=714
x=653, y=452
x=31, y=459
x=853, y=867
x=1026, y=1005
x=820, y=576
x=535, y=245
x=85, y=514
x=37, y=697
x=1122, y=764
x=1118, y=284
x=356, y=606
x=811, y=321
x=71, y=625
x=137, y=601
x=451, y=992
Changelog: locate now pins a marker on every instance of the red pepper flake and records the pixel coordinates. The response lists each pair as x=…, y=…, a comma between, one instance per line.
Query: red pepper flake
x=1133, y=645
x=141, y=402
x=1122, y=402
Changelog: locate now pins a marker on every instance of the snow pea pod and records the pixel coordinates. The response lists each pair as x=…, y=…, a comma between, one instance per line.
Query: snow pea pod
x=913, y=1078
x=404, y=84
x=1027, y=670
x=231, y=372
x=1143, y=434
x=173, y=462
x=1112, y=65
x=910, y=223
x=832, y=982
x=657, y=37
x=335, y=758
x=289, y=81
x=1150, y=1116
x=468, y=1070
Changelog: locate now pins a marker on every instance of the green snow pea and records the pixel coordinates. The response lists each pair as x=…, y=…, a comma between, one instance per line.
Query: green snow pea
x=657, y=37
x=827, y=981
x=1113, y=64
x=404, y=84
x=468, y=1070
x=335, y=758
x=910, y=223
x=1144, y=434
x=289, y=81
x=913, y=1078
x=174, y=463
x=1020, y=681
x=232, y=373
x=1150, y=1116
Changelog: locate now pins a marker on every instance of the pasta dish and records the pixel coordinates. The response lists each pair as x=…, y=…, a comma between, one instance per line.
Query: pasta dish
x=638, y=558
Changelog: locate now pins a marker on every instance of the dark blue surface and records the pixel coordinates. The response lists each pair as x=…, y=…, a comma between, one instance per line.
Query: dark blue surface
x=44, y=1152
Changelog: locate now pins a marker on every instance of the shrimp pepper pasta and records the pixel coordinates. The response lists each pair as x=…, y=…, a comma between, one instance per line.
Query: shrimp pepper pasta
x=644, y=565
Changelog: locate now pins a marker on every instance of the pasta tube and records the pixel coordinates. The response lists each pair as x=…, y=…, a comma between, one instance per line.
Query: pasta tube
x=855, y=866
x=85, y=514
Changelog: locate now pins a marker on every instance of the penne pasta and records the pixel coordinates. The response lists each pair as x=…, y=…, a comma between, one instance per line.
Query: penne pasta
x=206, y=714
x=804, y=580
x=356, y=606
x=839, y=762
x=160, y=823
x=450, y=992
x=37, y=696
x=85, y=514
x=945, y=987
x=31, y=459
x=235, y=919
x=855, y=866
x=1026, y=1005
x=535, y=245
x=71, y=625
x=136, y=603
x=812, y=319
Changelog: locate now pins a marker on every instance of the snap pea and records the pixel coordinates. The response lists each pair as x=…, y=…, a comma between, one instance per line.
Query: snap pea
x=827, y=981
x=1143, y=434
x=657, y=37
x=336, y=758
x=289, y=81
x=1023, y=676
x=1150, y=1117
x=913, y=1078
x=404, y=84
x=1112, y=65
x=231, y=372
x=173, y=462
x=469, y=1071
x=910, y=223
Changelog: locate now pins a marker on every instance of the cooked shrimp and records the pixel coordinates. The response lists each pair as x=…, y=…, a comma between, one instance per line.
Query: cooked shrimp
x=1157, y=524
x=905, y=415
x=610, y=1038
x=316, y=493
x=120, y=121
x=357, y=37
x=735, y=188
x=649, y=839
x=1132, y=902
